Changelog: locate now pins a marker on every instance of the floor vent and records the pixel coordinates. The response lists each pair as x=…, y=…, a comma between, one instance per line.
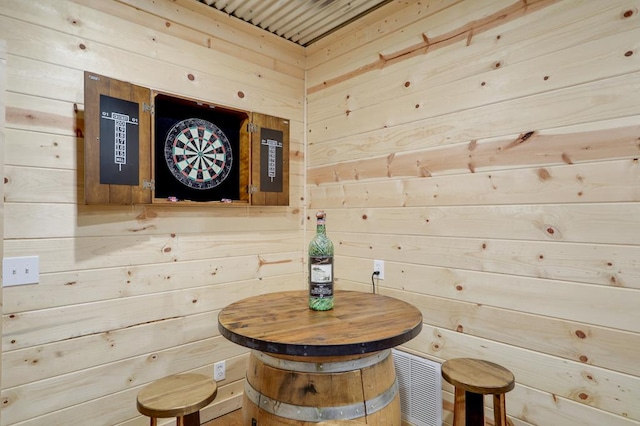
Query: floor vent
x=420, y=383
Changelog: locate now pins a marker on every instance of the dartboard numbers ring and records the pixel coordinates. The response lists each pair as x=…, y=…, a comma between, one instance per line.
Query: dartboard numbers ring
x=198, y=153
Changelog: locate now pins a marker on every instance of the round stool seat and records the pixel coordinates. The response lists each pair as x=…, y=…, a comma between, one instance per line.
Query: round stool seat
x=176, y=396
x=472, y=379
x=478, y=376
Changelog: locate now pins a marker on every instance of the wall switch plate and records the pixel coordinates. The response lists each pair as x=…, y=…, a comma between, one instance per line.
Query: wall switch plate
x=219, y=371
x=378, y=266
x=20, y=270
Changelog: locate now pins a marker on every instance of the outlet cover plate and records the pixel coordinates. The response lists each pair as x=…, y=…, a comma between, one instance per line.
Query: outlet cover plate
x=378, y=265
x=20, y=270
x=219, y=371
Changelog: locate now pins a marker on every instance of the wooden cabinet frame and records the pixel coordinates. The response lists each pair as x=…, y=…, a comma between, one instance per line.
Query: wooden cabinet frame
x=261, y=157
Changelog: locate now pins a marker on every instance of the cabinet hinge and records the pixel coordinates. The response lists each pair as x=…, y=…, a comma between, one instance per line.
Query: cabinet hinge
x=147, y=107
x=252, y=128
x=149, y=184
x=252, y=189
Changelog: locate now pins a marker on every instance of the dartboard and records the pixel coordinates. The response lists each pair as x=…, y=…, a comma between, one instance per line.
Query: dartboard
x=198, y=153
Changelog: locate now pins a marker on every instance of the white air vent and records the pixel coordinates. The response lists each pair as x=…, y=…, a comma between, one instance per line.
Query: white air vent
x=420, y=383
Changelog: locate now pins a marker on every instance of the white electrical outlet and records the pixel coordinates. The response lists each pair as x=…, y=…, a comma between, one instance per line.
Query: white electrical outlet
x=20, y=270
x=219, y=371
x=378, y=266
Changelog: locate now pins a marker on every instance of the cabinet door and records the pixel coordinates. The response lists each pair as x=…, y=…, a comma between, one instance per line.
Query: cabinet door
x=117, y=141
x=269, y=161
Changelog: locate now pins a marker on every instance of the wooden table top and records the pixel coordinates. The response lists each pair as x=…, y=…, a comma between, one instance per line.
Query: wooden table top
x=282, y=323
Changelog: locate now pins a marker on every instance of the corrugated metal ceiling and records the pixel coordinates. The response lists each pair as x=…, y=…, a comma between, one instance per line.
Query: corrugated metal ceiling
x=301, y=21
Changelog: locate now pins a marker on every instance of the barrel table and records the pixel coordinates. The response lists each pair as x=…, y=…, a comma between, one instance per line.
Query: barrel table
x=307, y=367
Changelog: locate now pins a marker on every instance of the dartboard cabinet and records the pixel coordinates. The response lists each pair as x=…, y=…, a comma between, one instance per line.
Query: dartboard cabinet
x=148, y=147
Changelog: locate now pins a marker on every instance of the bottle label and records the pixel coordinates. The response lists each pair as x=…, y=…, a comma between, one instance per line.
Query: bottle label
x=321, y=276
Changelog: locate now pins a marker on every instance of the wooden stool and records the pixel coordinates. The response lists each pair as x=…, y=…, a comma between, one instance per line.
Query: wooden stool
x=341, y=423
x=474, y=378
x=181, y=396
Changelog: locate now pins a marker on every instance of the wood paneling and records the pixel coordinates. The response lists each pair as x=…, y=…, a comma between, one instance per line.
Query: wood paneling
x=26, y=329
x=496, y=174
x=549, y=148
x=536, y=222
x=129, y=294
x=594, y=101
x=203, y=26
x=612, y=265
x=495, y=171
x=3, y=88
x=183, y=76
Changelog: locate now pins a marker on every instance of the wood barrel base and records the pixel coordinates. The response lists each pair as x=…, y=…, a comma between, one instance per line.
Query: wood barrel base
x=305, y=391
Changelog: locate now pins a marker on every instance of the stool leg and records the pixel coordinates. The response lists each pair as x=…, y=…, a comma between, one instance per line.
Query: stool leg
x=499, y=410
x=192, y=419
x=458, y=407
x=180, y=421
x=474, y=412
x=154, y=421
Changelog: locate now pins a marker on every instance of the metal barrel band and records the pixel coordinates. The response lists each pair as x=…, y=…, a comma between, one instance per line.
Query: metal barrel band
x=322, y=367
x=318, y=414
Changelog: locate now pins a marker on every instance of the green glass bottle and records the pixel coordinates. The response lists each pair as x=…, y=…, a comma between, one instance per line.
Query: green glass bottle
x=321, y=268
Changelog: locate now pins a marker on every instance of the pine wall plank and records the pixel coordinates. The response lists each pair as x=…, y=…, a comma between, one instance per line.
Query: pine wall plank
x=368, y=29
x=25, y=329
x=502, y=71
x=84, y=25
x=413, y=89
x=58, y=289
x=92, y=221
x=209, y=27
x=492, y=164
x=541, y=222
x=129, y=294
x=71, y=254
x=603, y=264
x=556, y=185
x=447, y=20
x=3, y=87
x=609, y=139
x=466, y=301
x=594, y=101
x=41, y=397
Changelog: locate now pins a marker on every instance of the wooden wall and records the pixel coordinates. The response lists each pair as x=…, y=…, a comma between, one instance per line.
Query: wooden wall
x=3, y=85
x=130, y=294
x=488, y=151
